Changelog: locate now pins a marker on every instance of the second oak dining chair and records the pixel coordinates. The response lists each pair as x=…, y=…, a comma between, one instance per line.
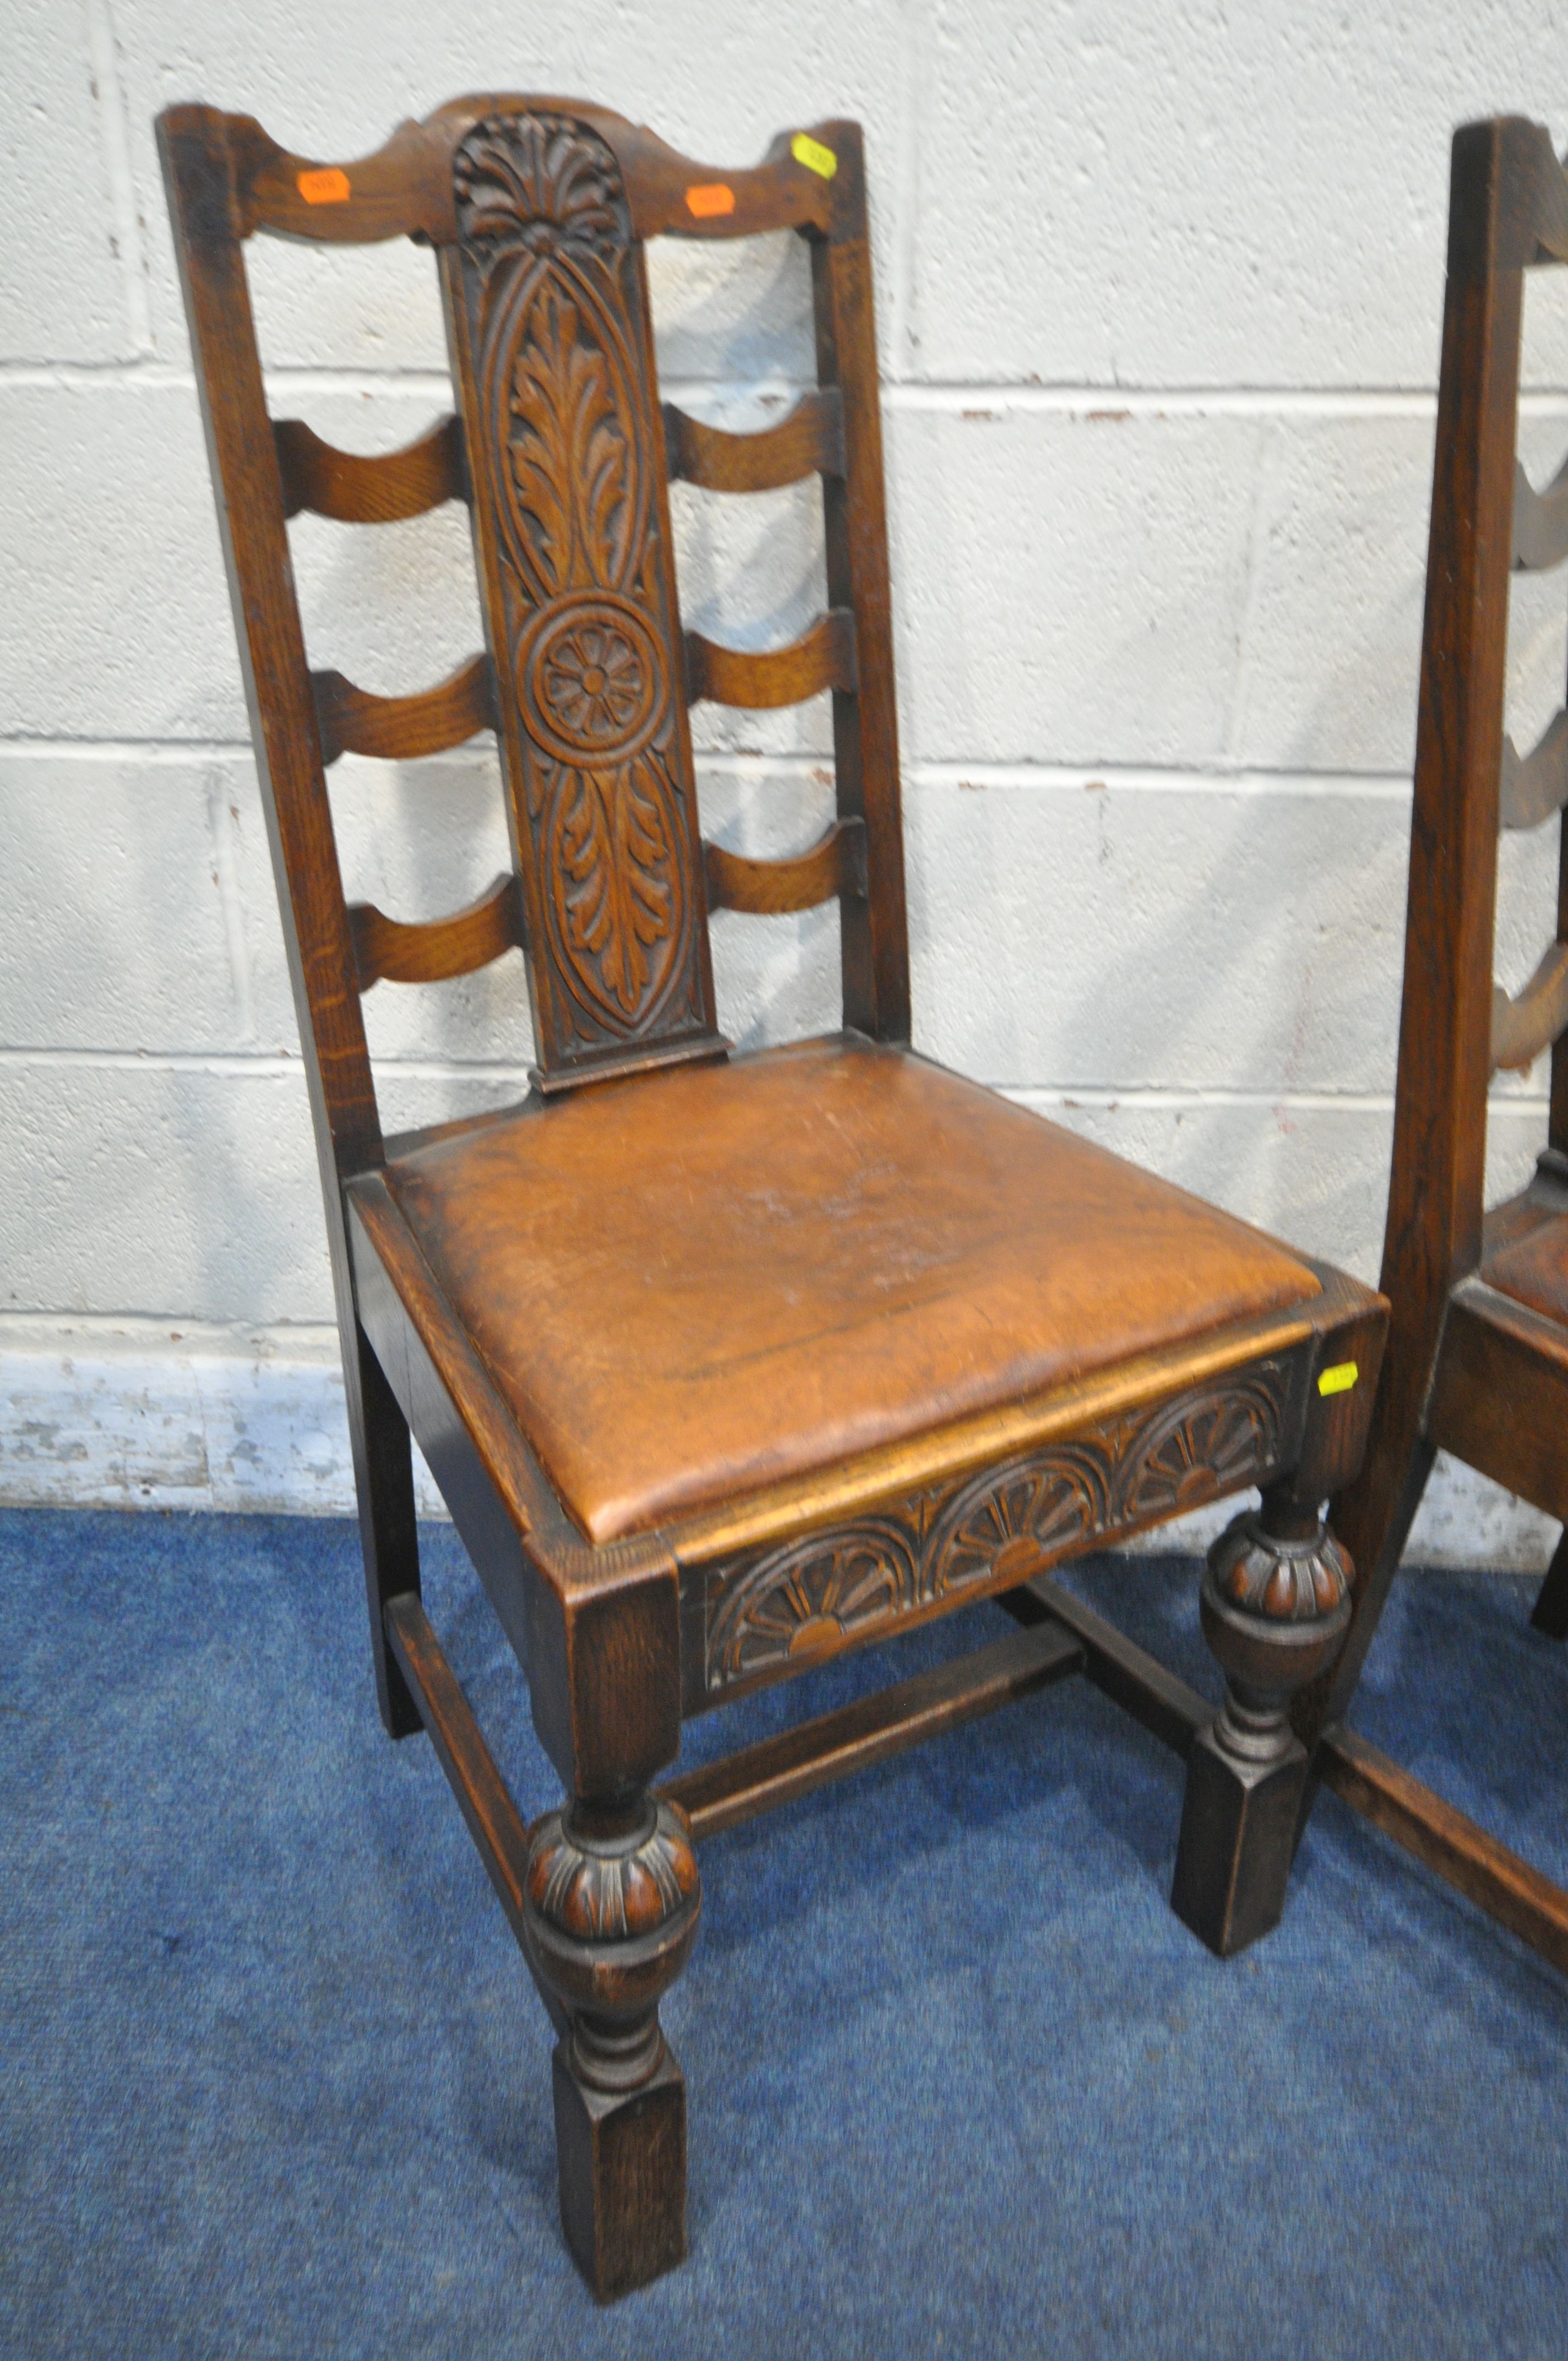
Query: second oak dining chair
x=722, y=1362
x=1478, y=1349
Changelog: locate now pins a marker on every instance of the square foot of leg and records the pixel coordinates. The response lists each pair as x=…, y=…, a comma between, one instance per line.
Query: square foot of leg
x=622, y=2161
x=1238, y=1838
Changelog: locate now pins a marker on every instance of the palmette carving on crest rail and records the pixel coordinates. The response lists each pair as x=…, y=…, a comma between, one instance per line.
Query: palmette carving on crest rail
x=997, y=1528
x=553, y=304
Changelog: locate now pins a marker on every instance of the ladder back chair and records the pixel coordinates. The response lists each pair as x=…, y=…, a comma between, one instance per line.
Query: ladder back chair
x=1477, y=1361
x=722, y=1364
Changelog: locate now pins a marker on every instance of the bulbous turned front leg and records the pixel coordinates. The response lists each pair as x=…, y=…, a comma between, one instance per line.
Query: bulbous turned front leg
x=611, y=1903
x=1275, y=1607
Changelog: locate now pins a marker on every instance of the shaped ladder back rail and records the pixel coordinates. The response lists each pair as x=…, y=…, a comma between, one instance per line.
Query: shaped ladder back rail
x=401, y=728
x=809, y=442
x=835, y=864
x=1478, y=1363
x=383, y=490
x=886, y=1397
x=822, y=658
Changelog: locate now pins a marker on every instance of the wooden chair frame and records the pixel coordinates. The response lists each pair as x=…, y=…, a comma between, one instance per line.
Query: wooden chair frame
x=1471, y=1368
x=617, y=1639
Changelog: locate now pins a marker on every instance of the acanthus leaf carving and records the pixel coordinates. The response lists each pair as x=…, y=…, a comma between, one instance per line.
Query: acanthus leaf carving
x=534, y=181
x=615, y=854
x=598, y=767
x=569, y=451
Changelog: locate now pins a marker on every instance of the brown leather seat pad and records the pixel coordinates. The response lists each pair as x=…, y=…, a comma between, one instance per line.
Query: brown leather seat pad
x=1533, y=1267
x=699, y=1282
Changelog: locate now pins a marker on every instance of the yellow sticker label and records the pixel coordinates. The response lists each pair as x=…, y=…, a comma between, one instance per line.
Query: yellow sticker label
x=1339, y=1379
x=813, y=155
x=327, y=187
x=712, y=198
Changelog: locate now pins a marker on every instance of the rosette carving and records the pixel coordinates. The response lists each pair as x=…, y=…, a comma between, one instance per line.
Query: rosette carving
x=564, y=457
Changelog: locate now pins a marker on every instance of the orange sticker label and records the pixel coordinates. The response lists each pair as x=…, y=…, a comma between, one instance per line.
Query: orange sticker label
x=711, y=199
x=327, y=187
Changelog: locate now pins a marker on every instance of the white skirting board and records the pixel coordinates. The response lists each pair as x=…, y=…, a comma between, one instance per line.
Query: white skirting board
x=134, y=1414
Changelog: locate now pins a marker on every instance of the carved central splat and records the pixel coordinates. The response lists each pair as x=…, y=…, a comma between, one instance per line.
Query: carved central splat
x=546, y=291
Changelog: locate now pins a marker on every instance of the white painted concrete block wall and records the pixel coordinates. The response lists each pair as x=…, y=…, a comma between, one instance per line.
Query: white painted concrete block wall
x=1159, y=297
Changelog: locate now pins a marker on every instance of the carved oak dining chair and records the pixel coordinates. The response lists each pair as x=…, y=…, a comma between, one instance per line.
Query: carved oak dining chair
x=1478, y=1360
x=722, y=1364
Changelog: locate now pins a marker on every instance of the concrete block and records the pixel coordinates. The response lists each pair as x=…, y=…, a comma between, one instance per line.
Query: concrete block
x=139, y=1187
x=1143, y=195
x=422, y=839
x=99, y=1414
x=120, y=919
x=1068, y=589
x=123, y=618
x=95, y=1414
x=720, y=310
x=188, y=1190
x=62, y=270
x=750, y=574
x=118, y=613
x=1118, y=935
x=1331, y=654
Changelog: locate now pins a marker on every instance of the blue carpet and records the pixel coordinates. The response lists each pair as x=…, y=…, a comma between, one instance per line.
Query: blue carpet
x=273, y=2082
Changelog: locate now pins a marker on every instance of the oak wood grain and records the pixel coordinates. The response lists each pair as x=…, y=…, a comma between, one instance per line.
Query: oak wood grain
x=836, y=864
x=1473, y=1862
x=401, y=728
x=383, y=489
x=433, y=950
x=777, y=1770
x=810, y=441
x=823, y=657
